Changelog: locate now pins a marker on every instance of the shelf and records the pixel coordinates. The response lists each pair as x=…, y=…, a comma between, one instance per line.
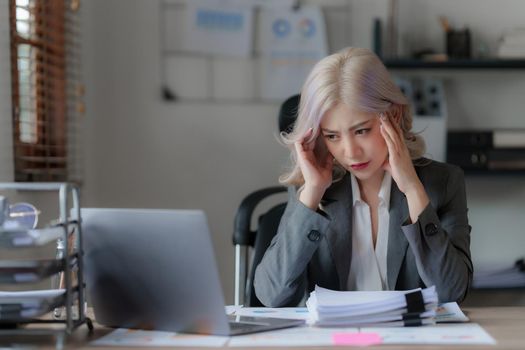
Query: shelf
x=489, y=63
x=488, y=172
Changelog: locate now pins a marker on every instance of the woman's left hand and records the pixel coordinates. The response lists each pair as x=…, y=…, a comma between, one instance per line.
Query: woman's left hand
x=398, y=164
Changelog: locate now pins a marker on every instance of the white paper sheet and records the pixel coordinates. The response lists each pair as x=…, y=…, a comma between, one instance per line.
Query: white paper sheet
x=295, y=313
x=25, y=238
x=134, y=338
x=328, y=298
x=30, y=298
x=450, y=312
x=298, y=336
x=471, y=333
x=232, y=309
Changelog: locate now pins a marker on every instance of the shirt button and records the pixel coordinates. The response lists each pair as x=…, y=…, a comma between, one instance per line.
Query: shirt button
x=431, y=229
x=314, y=236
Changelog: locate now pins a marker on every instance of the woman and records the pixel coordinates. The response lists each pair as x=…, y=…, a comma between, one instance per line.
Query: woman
x=365, y=210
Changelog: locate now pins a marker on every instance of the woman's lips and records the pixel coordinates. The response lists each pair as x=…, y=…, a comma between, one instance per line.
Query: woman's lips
x=360, y=166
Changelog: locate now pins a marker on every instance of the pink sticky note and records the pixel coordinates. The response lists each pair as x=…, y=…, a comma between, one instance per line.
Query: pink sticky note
x=358, y=339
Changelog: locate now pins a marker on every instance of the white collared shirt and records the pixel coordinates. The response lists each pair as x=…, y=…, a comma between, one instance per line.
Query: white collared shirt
x=368, y=269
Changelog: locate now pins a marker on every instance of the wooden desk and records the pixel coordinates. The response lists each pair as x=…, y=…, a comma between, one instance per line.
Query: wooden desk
x=505, y=324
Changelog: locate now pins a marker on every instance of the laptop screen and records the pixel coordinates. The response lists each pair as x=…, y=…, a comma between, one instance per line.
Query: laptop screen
x=152, y=269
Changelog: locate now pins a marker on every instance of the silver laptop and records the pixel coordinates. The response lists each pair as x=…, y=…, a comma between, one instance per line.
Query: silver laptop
x=155, y=269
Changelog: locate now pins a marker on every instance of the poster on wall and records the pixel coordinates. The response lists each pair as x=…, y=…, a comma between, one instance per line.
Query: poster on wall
x=292, y=41
x=219, y=28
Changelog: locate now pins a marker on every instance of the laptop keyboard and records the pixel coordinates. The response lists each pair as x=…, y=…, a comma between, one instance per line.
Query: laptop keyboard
x=238, y=326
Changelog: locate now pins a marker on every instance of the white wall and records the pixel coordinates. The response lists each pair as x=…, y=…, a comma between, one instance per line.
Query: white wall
x=144, y=152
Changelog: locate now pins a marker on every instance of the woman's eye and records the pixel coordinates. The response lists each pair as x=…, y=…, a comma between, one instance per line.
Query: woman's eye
x=330, y=137
x=362, y=131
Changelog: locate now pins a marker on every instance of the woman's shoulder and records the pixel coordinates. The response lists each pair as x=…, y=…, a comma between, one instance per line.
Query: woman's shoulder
x=437, y=174
x=441, y=180
x=434, y=167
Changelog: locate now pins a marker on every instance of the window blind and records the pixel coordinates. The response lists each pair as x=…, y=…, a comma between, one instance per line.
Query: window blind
x=47, y=91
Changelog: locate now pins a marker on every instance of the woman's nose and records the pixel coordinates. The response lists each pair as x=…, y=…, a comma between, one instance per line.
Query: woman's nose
x=351, y=149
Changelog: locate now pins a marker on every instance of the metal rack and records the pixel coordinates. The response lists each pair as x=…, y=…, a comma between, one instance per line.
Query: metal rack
x=67, y=228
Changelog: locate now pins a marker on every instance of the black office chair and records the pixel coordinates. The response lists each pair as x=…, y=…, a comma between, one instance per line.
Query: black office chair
x=246, y=240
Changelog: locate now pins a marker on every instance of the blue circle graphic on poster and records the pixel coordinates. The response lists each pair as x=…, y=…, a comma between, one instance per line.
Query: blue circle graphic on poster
x=281, y=28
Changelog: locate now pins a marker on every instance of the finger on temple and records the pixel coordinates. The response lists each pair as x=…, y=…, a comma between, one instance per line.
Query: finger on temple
x=385, y=132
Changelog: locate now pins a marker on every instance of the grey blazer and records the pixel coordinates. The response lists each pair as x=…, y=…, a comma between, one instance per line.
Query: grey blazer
x=315, y=247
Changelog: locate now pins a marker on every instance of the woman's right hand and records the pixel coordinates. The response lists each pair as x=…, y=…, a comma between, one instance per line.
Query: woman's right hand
x=317, y=173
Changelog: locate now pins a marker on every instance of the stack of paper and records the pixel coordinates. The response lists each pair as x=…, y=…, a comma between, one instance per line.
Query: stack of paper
x=18, y=306
x=26, y=238
x=384, y=308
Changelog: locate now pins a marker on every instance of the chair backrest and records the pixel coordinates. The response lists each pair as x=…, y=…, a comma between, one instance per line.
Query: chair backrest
x=288, y=113
x=259, y=239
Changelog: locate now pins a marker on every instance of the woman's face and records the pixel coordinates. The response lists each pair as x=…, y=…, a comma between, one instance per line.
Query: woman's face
x=354, y=139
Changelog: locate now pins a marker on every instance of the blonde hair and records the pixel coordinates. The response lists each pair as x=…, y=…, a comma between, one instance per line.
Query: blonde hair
x=357, y=78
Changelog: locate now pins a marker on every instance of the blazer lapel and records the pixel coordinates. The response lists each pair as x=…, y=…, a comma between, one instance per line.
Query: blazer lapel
x=337, y=203
x=397, y=242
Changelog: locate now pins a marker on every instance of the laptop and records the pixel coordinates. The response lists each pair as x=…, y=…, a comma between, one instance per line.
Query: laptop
x=155, y=269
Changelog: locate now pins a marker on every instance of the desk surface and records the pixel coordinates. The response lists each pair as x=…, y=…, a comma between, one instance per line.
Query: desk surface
x=505, y=324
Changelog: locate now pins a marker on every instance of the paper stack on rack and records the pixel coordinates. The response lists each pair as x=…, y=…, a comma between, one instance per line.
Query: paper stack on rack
x=20, y=305
x=28, y=238
x=378, y=308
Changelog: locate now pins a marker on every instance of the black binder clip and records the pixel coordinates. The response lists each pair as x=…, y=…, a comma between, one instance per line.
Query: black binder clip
x=415, y=307
x=415, y=302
